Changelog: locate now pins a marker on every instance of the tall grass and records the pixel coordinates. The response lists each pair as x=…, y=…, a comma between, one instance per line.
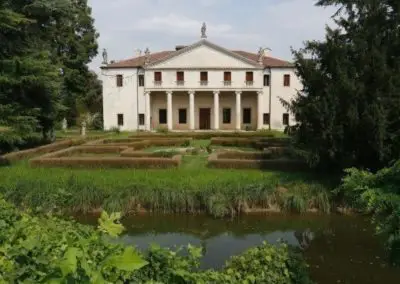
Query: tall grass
x=191, y=190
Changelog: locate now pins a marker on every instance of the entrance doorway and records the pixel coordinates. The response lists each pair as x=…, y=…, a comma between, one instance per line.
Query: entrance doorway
x=205, y=118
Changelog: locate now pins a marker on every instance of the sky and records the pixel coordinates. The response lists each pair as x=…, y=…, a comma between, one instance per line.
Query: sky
x=128, y=25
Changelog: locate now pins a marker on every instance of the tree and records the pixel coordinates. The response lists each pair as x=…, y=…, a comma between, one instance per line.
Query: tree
x=348, y=112
x=44, y=49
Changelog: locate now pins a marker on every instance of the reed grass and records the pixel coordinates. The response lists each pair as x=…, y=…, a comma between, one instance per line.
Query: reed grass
x=190, y=189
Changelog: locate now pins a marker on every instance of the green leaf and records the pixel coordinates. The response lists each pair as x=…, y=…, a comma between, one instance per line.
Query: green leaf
x=69, y=263
x=110, y=224
x=129, y=261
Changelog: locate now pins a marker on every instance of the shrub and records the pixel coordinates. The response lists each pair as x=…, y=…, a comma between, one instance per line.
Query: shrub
x=38, y=248
x=162, y=130
x=377, y=194
x=21, y=155
x=105, y=162
x=215, y=161
x=209, y=135
x=12, y=141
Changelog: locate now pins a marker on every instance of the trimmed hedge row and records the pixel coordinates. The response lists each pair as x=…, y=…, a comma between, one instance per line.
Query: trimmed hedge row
x=255, y=142
x=216, y=161
x=107, y=162
x=138, y=154
x=268, y=154
x=208, y=135
x=21, y=155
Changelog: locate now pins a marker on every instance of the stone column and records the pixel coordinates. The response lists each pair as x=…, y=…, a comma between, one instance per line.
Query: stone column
x=191, y=110
x=148, y=111
x=216, y=110
x=260, y=118
x=238, y=110
x=169, y=110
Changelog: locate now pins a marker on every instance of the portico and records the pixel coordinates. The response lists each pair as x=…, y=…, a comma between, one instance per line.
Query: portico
x=203, y=110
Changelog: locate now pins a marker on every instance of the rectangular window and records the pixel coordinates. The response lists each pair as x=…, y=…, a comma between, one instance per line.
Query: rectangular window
x=162, y=116
x=141, y=80
x=180, y=76
x=226, y=116
x=266, y=118
x=141, y=118
x=266, y=80
x=249, y=76
x=227, y=76
x=120, y=80
x=286, y=80
x=204, y=76
x=285, y=119
x=182, y=116
x=157, y=76
x=246, y=115
x=120, y=118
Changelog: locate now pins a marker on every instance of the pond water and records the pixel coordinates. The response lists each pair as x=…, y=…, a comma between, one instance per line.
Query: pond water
x=338, y=249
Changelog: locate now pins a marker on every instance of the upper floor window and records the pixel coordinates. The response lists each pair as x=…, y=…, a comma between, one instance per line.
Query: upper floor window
x=286, y=80
x=203, y=77
x=249, y=76
x=266, y=80
x=227, y=78
x=180, y=77
x=141, y=80
x=157, y=76
x=120, y=80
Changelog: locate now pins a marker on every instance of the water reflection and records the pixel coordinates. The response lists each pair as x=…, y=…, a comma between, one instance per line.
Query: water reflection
x=338, y=249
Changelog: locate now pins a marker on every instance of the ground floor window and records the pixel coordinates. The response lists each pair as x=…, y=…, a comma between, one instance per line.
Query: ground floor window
x=162, y=116
x=226, y=115
x=141, y=118
x=182, y=116
x=120, y=119
x=285, y=119
x=246, y=115
x=266, y=118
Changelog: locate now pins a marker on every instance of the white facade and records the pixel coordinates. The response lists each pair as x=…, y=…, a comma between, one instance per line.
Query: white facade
x=191, y=104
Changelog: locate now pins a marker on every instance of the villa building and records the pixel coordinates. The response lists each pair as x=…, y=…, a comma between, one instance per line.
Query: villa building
x=198, y=87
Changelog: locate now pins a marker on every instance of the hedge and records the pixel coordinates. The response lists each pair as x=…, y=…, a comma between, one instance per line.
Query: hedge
x=268, y=154
x=162, y=154
x=21, y=155
x=208, y=135
x=234, y=142
x=214, y=161
x=107, y=162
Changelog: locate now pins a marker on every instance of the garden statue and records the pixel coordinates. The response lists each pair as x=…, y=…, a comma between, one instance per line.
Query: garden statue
x=105, y=56
x=83, y=128
x=64, y=124
x=204, y=31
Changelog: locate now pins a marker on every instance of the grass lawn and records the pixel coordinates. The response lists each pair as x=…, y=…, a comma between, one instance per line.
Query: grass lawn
x=192, y=187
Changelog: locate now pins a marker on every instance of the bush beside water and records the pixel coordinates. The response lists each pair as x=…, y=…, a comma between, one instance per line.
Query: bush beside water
x=40, y=249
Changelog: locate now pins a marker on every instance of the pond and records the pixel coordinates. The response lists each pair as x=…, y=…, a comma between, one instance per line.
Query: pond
x=338, y=249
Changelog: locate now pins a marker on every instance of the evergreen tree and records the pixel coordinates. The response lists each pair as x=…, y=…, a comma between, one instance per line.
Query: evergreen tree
x=348, y=112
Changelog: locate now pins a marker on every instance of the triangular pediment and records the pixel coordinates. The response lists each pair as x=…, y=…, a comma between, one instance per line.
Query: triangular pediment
x=204, y=54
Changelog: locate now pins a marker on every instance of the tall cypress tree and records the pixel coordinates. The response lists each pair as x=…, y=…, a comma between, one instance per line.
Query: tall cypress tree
x=349, y=110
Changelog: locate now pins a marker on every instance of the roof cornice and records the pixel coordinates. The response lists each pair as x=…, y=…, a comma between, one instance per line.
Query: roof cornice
x=204, y=42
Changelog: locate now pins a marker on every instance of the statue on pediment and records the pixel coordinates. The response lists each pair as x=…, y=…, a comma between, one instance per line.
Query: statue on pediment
x=105, y=56
x=147, y=56
x=261, y=54
x=204, y=31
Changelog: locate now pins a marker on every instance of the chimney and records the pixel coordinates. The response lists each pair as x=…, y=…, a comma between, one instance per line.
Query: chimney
x=179, y=47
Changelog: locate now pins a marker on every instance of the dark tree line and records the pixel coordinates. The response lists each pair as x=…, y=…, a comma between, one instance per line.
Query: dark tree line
x=349, y=108
x=45, y=47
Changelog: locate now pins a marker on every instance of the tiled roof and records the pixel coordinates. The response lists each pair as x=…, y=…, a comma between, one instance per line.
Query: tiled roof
x=139, y=61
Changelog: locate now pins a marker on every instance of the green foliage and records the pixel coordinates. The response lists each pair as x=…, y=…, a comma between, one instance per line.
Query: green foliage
x=37, y=249
x=348, y=112
x=377, y=194
x=11, y=141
